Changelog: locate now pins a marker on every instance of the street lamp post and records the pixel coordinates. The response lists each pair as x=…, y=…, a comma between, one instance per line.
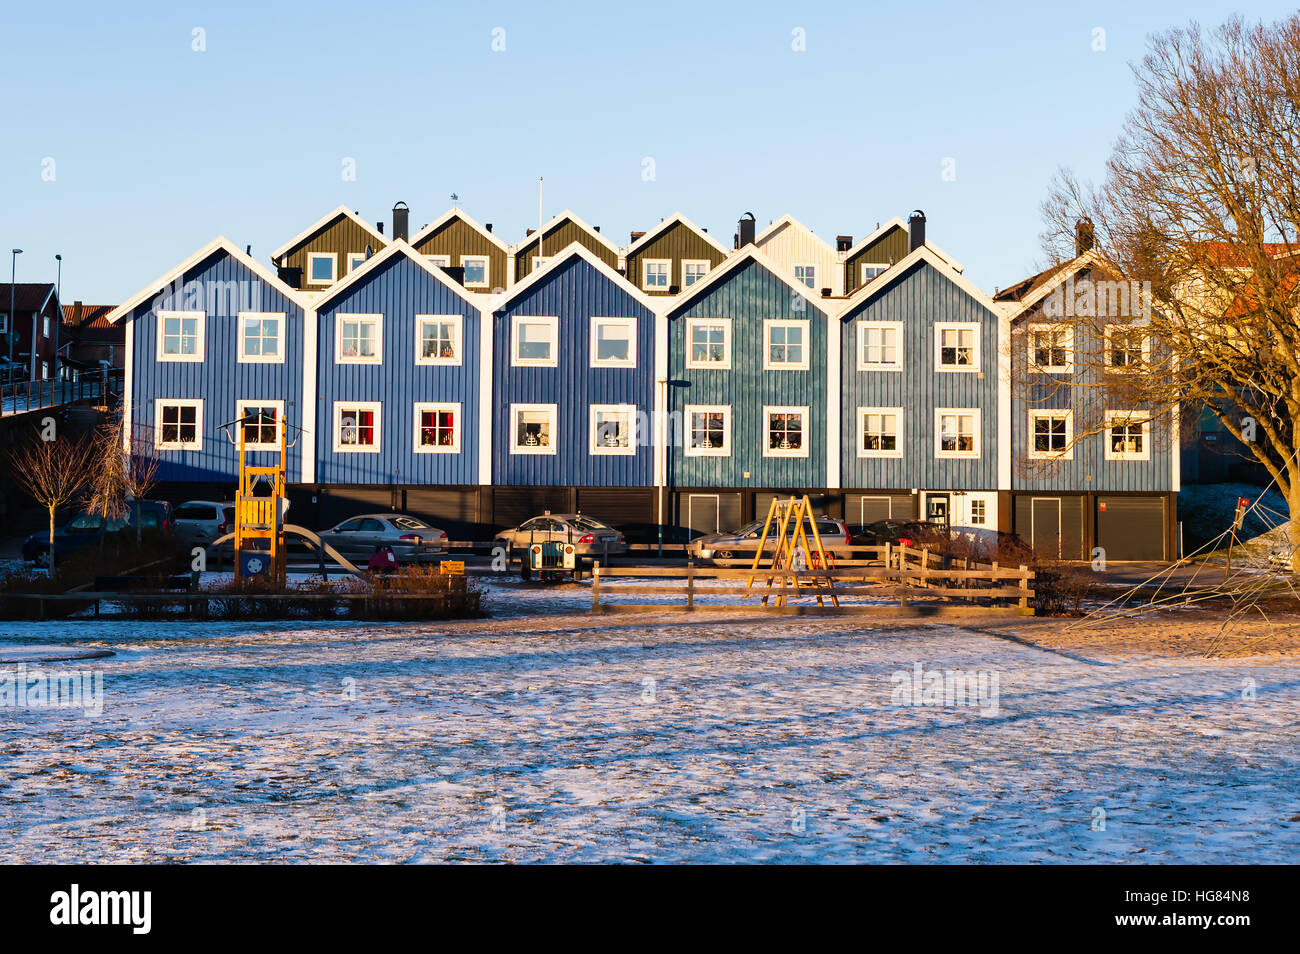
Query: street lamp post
x=58, y=318
x=13, y=319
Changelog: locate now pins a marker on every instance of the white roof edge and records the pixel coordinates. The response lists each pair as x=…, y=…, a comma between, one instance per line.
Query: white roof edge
x=394, y=248
x=499, y=301
x=896, y=271
x=457, y=212
x=730, y=264
x=676, y=217
x=577, y=220
x=321, y=223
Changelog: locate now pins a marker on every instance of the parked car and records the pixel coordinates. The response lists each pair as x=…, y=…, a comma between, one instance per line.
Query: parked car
x=909, y=533
x=739, y=547
x=87, y=528
x=199, y=522
x=591, y=538
x=411, y=539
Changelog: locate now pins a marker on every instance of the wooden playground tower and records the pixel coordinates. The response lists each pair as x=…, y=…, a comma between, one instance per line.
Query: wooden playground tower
x=260, y=518
x=793, y=552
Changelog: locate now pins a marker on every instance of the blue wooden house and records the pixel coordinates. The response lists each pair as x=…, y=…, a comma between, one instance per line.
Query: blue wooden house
x=214, y=339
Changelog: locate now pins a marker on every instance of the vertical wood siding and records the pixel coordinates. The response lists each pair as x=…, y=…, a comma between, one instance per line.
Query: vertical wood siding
x=399, y=290
x=558, y=238
x=747, y=296
x=790, y=245
x=340, y=237
x=220, y=380
x=919, y=299
x=574, y=292
x=456, y=237
x=677, y=242
x=890, y=247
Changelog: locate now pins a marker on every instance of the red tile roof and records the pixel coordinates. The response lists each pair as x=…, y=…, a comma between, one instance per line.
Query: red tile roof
x=92, y=316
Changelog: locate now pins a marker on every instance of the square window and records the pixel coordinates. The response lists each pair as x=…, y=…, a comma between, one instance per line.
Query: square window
x=957, y=433
x=613, y=342
x=708, y=430
x=693, y=270
x=708, y=343
x=355, y=261
x=321, y=268
x=358, y=339
x=1051, y=348
x=613, y=429
x=1126, y=348
x=476, y=270
x=656, y=274
x=867, y=272
x=957, y=347
x=178, y=424
x=356, y=427
x=1051, y=435
x=437, y=428
x=260, y=421
x=787, y=432
x=437, y=339
x=880, y=345
x=806, y=274
x=1128, y=436
x=880, y=432
x=261, y=337
x=536, y=341
x=180, y=335
x=532, y=429
x=785, y=345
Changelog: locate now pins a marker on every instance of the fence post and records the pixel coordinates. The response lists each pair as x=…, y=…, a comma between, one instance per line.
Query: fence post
x=595, y=586
x=996, y=580
x=889, y=557
x=690, y=586
x=1024, y=587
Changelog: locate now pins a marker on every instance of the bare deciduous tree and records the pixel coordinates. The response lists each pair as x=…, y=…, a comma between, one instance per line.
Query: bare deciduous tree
x=1200, y=205
x=126, y=470
x=54, y=473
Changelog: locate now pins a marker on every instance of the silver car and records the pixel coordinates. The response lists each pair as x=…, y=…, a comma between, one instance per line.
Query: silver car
x=590, y=537
x=738, y=548
x=199, y=522
x=411, y=539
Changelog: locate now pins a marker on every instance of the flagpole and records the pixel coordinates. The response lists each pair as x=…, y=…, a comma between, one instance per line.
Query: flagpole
x=539, y=220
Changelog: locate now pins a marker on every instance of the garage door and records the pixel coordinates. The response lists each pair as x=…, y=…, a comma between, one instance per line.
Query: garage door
x=1053, y=526
x=455, y=511
x=339, y=503
x=1131, y=528
x=511, y=506
x=630, y=508
x=708, y=513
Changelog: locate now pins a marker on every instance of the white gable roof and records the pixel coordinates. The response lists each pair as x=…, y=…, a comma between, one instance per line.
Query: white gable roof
x=555, y=261
x=668, y=223
x=455, y=213
x=340, y=212
x=558, y=220
x=396, y=248
x=750, y=253
x=923, y=254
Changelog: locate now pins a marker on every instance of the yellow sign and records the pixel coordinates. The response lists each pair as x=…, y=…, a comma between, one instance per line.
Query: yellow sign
x=452, y=567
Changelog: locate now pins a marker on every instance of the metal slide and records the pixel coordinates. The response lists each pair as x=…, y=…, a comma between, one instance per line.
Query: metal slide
x=311, y=538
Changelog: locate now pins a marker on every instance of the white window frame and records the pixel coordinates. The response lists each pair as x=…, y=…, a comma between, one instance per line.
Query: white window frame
x=1109, y=332
x=45, y=326
x=974, y=328
x=866, y=326
x=4, y=322
x=772, y=323
x=645, y=273
x=708, y=267
x=244, y=356
x=595, y=448
x=458, y=425
x=980, y=502
x=458, y=335
x=355, y=261
x=551, y=322
x=334, y=268
x=862, y=271
x=1039, y=413
x=158, y=405
x=897, y=452
x=552, y=412
x=630, y=325
x=377, y=407
x=201, y=331
x=243, y=403
x=725, y=363
x=1121, y=416
x=442, y=261
x=976, y=434
x=794, y=270
x=487, y=270
x=377, y=357
x=1042, y=326
x=691, y=409
x=541, y=261
x=805, y=429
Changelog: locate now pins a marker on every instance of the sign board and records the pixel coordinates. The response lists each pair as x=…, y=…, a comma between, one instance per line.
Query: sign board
x=452, y=567
x=1243, y=503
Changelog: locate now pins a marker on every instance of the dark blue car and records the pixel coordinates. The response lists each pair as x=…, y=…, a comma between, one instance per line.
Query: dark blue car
x=86, y=528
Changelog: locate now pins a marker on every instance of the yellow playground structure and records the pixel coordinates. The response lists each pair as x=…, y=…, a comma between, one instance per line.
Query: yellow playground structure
x=797, y=560
x=260, y=503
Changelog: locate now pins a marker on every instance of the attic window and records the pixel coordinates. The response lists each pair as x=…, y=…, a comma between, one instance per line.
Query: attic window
x=321, y=268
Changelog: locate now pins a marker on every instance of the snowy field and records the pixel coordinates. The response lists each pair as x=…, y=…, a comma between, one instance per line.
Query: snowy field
x=562, y=738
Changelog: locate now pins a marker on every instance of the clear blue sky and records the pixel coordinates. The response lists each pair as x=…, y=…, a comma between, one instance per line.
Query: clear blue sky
x=158, y=148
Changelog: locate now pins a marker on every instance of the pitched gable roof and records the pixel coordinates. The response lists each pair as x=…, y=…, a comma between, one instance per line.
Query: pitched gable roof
x=28, y=296
x=455, y=213
x=559, y=220
x=578, y=250
x=790, y=221
x=1022, y=296
x=675, y=219
x=736, y=261
x=341, y=212
x=218, y=244
x=392, y=250
x=931, y=257
x=879, y=233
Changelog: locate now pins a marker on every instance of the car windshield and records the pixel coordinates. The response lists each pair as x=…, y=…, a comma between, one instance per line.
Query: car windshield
x=87, y=521
x=409, y=523
x=588, y=524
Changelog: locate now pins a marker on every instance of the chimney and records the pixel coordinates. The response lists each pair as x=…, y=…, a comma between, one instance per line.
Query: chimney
x=636, y=237
x=745, y=230
x=915, y=230
x=380, y=227
x=1084, y=236
x=596, y=227
x=488, y=226
x=290, y=276
x=843, y=243
x=529, y=232
x=401, y=221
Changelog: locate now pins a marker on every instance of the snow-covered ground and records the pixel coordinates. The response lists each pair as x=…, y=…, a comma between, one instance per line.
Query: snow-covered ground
x=560, y=739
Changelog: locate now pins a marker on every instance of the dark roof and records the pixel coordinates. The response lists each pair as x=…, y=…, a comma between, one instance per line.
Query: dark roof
x=28, y=296
x=92, y=316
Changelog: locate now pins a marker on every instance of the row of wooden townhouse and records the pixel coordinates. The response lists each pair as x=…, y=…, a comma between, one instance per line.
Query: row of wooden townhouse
x=671, y=382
